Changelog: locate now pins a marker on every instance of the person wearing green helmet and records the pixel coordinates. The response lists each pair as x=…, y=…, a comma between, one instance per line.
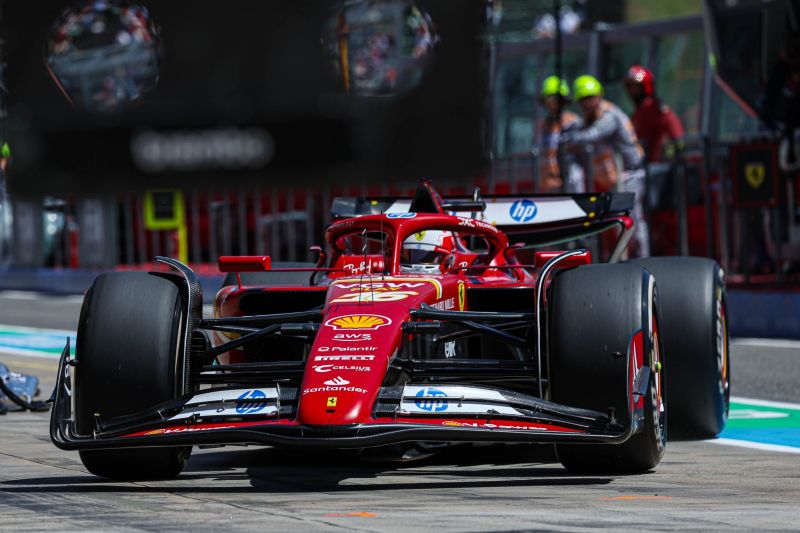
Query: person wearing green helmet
x=5, y=156
x=554, y=96
x=607, y=135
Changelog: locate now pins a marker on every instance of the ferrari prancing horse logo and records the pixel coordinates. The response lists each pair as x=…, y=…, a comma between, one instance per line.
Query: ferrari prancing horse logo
x=755, y=173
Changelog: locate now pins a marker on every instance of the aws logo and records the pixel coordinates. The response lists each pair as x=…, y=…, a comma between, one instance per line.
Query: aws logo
x=352, y=337
x=358, y=322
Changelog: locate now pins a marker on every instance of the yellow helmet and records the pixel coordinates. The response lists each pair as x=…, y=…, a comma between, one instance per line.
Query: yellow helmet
x=553, y=85
x=585, y=86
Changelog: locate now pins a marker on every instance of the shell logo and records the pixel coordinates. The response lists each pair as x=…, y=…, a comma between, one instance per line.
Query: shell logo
x=156, y=432
x=358, y=322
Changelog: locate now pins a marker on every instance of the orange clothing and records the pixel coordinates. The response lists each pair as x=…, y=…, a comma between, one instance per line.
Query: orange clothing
x=549, y=132
x=608, y=133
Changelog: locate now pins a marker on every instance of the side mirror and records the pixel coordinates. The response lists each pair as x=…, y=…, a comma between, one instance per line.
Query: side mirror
x=245, y=263
x=321, y=255
x=584, y=258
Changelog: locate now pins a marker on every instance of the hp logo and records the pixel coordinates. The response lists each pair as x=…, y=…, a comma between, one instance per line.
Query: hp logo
x=523, y=210
x=427, y=403
x=245, y=407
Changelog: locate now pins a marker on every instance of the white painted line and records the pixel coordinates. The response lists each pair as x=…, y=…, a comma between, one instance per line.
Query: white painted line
x=36, y=331
x=755, y=445
x=20, y=295
x=789, y=344
x=766, y=403
x=33, y=295
x=4, y=350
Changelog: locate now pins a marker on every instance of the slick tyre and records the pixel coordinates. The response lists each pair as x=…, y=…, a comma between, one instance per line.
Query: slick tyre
x=603, y=315
x=695, y=339
x=129, y=337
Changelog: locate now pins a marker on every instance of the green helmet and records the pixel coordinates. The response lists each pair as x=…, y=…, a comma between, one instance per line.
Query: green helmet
x=5, y=151
x=587, y=86
x=554, y=85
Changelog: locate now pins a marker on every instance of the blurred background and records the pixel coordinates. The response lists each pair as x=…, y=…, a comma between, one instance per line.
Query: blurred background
x=132, y=128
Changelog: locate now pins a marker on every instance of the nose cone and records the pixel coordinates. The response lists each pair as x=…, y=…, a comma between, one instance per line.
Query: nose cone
x=361, y=332
x=346, y=368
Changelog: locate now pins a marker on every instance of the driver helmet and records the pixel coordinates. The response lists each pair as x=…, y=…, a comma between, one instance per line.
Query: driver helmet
x=425, y=251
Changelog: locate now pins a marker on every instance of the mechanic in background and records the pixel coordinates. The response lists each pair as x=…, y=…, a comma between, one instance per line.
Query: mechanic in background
x=607, y=133
x=554, y=96
x=661, y=133
x=659, y=129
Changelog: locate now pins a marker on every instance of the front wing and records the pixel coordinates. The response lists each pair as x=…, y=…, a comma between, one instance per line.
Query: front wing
x=410, y=413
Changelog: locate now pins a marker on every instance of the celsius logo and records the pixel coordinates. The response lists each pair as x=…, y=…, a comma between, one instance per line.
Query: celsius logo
x=338, y=381
x=331, y=368
x=428, y=400
x=523, y=210
x=243, y=407
x=358, y=322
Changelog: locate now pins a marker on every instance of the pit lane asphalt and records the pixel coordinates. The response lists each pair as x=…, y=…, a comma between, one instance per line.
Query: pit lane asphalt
x=698, y=485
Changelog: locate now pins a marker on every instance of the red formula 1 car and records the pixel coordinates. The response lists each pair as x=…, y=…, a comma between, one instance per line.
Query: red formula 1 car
x=416, y=326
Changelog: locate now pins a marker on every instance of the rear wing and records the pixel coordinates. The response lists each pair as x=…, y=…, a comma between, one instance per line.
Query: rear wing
x=507, y=212
x=532, y=219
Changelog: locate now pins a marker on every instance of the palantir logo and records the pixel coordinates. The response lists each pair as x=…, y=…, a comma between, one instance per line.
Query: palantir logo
x=523, y=210
x=244, y=407
x=427, y=403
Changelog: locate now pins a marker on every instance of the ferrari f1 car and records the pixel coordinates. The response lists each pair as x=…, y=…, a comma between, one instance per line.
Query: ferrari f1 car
x=426, y=320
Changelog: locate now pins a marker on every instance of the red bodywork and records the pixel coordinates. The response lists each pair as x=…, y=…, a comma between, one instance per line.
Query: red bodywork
x=364, y=313
x=377, y=345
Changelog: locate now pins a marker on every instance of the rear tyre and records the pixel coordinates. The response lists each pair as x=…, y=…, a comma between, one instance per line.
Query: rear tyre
x=598, y=313
x=129, y=337
x=695, y=337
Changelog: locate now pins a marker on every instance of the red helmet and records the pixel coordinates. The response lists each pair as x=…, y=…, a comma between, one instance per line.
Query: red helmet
x=643, y=76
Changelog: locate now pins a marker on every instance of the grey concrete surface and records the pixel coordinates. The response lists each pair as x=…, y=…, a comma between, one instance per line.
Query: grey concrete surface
x=759, y=370
x=698, y=485
x=18, y=308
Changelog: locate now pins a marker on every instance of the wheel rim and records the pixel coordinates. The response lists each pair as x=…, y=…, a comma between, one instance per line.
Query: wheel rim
x=659, y=412
x=723, y=360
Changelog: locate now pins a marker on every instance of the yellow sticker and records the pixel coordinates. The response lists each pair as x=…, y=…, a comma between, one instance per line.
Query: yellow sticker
x=755, y=173
x=419, y=236
x=370, y=296
x=358, y=322
x=332, y=401
x=462, y=295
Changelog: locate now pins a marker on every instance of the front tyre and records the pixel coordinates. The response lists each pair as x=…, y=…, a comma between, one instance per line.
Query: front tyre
x=598, y=313
x=128, y=354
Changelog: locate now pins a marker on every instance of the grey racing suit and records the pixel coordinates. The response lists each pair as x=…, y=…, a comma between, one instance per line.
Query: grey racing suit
x=608, y=135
